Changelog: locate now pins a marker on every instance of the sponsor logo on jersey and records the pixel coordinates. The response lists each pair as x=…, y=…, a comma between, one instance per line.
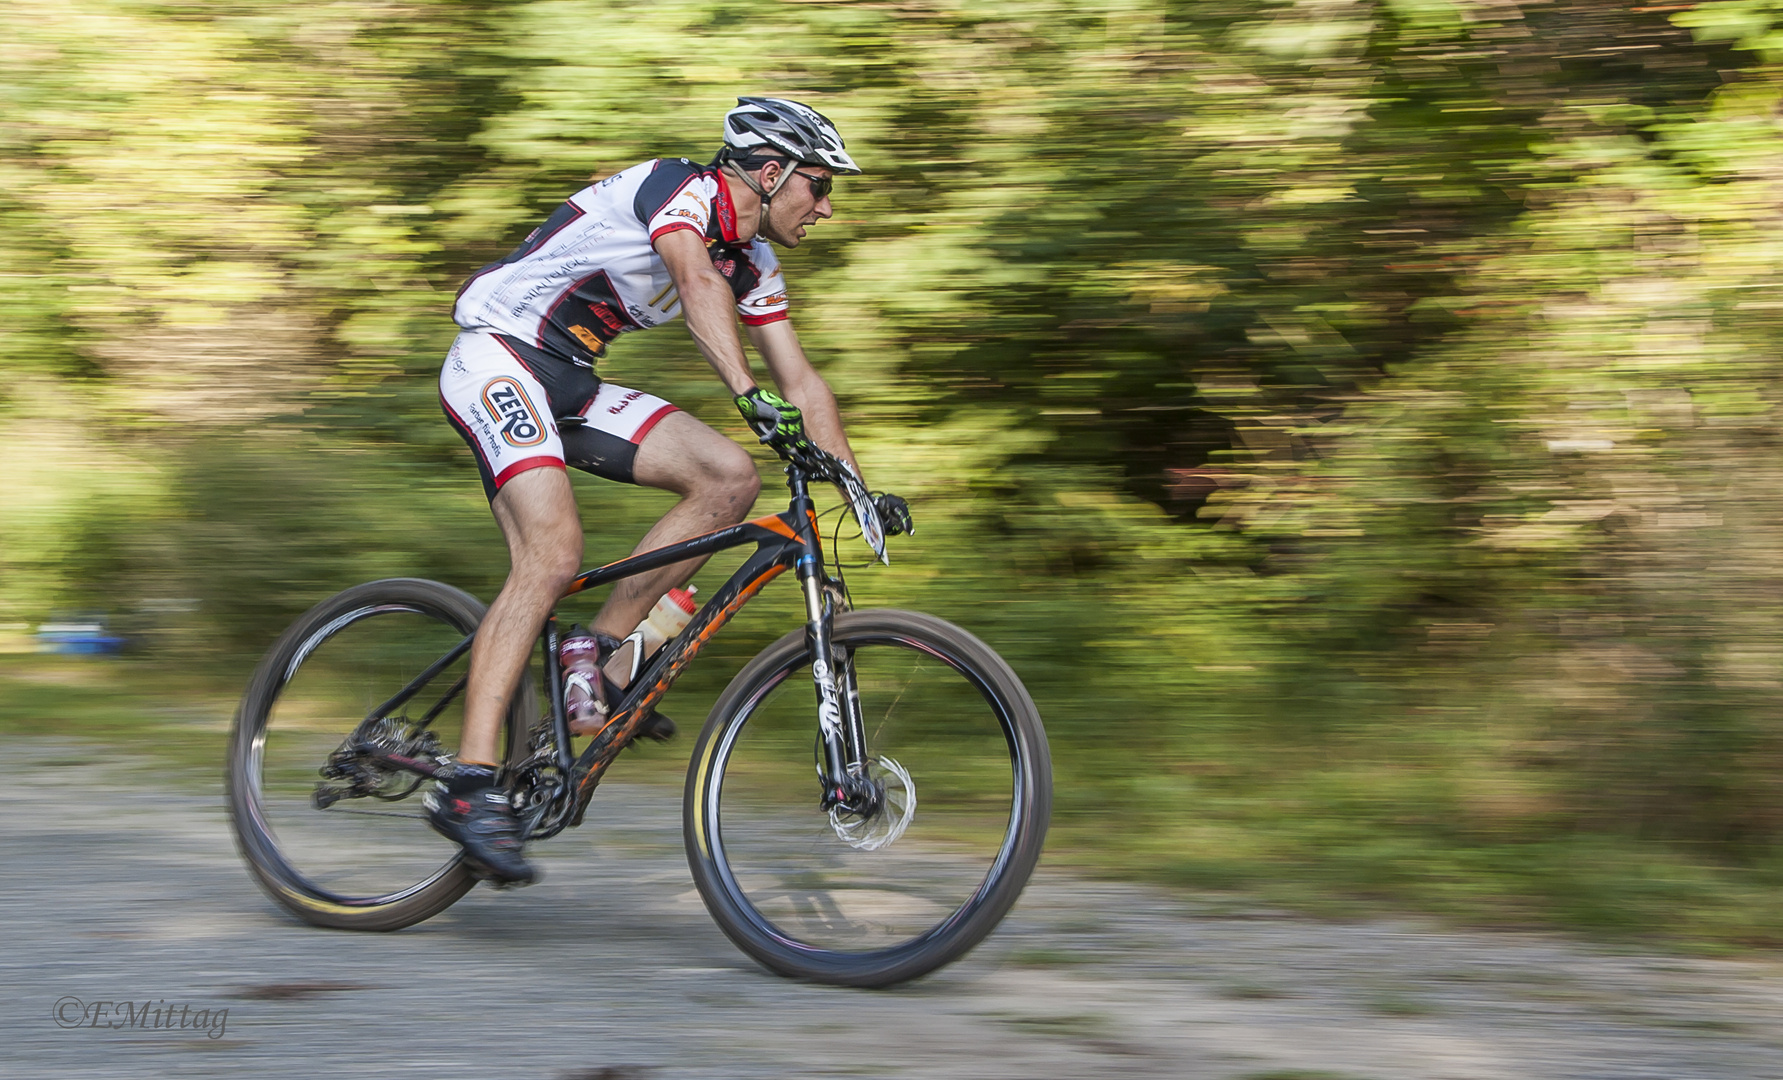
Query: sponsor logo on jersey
x=769, y=301
x=550, y=283
x=615, y=410
x=514, y=411
x=678, y=212
x=727, y=222
x=727, y=267
x=605, y=315
x=641, y=315
x=589, y=338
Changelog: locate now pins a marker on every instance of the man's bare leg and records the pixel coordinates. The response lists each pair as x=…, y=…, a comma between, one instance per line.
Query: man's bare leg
x=537, y=514
x=717, y=481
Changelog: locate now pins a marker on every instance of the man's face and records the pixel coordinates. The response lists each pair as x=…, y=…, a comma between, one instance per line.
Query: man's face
x=795, y=207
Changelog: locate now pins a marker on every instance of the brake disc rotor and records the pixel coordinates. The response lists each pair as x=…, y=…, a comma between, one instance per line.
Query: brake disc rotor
x=896, y=807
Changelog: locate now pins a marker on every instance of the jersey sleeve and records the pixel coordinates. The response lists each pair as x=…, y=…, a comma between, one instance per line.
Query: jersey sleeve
x=767, y=301
x=674, y=196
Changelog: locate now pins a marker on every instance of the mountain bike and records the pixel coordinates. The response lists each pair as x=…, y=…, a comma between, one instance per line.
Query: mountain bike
x=864, y=804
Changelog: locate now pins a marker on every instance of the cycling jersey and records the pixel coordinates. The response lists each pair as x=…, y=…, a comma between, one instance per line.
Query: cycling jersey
x=591, y=272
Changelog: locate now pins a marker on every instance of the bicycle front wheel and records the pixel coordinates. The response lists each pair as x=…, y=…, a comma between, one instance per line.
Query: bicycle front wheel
x=958, y=745
x=331, y=834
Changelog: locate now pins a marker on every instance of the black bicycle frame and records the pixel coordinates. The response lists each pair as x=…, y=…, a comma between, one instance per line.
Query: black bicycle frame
x=786, y=541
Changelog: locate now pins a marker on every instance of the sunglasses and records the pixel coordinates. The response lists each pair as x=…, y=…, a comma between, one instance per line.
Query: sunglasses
x=820, y=185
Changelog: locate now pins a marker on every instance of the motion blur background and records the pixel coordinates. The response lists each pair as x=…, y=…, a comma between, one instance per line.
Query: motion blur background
x=1357, y=420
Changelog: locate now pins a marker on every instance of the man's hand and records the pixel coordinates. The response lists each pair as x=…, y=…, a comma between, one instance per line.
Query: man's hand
x=894, y=514
x=773, y=418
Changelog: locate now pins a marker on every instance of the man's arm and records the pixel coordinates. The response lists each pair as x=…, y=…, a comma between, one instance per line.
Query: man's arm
x=779, y=346
x=707, y=305
x=710, y=310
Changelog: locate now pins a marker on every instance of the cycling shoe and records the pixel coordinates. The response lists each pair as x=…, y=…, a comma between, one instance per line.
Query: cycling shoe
x=483, y=823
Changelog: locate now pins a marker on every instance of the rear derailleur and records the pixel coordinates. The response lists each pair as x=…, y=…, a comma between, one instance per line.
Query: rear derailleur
x=386, y=758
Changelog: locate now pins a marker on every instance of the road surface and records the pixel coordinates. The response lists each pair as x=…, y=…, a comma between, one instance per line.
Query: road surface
x=611, y=970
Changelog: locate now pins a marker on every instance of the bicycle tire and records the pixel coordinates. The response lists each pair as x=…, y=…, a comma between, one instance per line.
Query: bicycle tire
x=794, y=893
x=300, y=701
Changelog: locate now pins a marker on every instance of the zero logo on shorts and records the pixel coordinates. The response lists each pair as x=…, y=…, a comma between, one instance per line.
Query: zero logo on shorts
x=514, y=411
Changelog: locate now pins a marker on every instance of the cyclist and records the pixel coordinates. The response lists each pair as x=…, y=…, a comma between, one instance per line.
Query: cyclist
x=629, y=252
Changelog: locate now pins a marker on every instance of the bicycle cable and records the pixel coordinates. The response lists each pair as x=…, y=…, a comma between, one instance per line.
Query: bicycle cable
x=836, y=552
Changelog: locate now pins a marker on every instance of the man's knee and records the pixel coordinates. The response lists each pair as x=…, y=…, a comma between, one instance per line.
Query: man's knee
x=688, y=458
x=721, y=470
x=555, y=560
x=727, y=475
x=739, y=474
x=550, y=549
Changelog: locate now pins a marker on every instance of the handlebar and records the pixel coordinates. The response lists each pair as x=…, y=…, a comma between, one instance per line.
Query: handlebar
x=814, y=463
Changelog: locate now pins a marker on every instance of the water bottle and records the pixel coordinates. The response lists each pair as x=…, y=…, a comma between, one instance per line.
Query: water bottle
x=669, y=617
x=581, y=654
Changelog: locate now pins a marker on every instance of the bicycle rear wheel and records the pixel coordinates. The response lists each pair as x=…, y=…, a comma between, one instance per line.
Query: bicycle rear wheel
x=959, y=746
x=352, y=849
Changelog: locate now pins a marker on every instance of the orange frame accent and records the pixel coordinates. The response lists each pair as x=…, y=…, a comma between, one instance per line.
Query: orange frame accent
x=674, y=669
x=776, y=523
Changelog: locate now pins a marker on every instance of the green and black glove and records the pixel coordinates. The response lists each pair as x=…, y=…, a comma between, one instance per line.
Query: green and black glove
x=773, y=418
x=894, y=514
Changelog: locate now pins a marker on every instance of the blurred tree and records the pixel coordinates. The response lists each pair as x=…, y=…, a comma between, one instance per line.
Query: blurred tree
x=1355, y=417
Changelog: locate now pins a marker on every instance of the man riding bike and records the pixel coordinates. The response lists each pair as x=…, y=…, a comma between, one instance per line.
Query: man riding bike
x=661, y=238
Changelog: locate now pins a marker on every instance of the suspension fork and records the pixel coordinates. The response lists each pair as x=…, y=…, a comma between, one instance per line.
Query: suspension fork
x=842, y=740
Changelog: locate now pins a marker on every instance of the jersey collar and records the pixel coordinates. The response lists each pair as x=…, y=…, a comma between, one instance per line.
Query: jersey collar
x=724, y=212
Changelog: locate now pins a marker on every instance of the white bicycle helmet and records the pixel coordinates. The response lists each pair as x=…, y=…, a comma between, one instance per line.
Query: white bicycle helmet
x=778, y=126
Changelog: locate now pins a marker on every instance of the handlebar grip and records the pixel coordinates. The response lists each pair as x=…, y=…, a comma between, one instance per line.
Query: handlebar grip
x=817, y=463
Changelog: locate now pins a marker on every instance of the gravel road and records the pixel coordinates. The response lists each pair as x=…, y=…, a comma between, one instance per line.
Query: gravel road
x=611, y=970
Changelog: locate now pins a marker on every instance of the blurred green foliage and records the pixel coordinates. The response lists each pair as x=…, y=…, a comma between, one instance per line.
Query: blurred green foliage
x=1356, y=419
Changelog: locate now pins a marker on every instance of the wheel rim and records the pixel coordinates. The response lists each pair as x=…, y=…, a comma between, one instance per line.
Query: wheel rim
x=795, y=877
x=362, y=851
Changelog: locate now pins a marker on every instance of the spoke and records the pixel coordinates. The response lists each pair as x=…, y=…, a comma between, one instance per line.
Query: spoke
x=885, y=714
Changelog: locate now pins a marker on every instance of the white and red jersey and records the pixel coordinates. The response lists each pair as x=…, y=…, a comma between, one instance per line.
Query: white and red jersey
x=591, y=272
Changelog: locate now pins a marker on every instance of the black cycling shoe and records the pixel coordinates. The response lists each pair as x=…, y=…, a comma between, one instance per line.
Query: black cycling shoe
x=657, y=728
x=482, y=822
